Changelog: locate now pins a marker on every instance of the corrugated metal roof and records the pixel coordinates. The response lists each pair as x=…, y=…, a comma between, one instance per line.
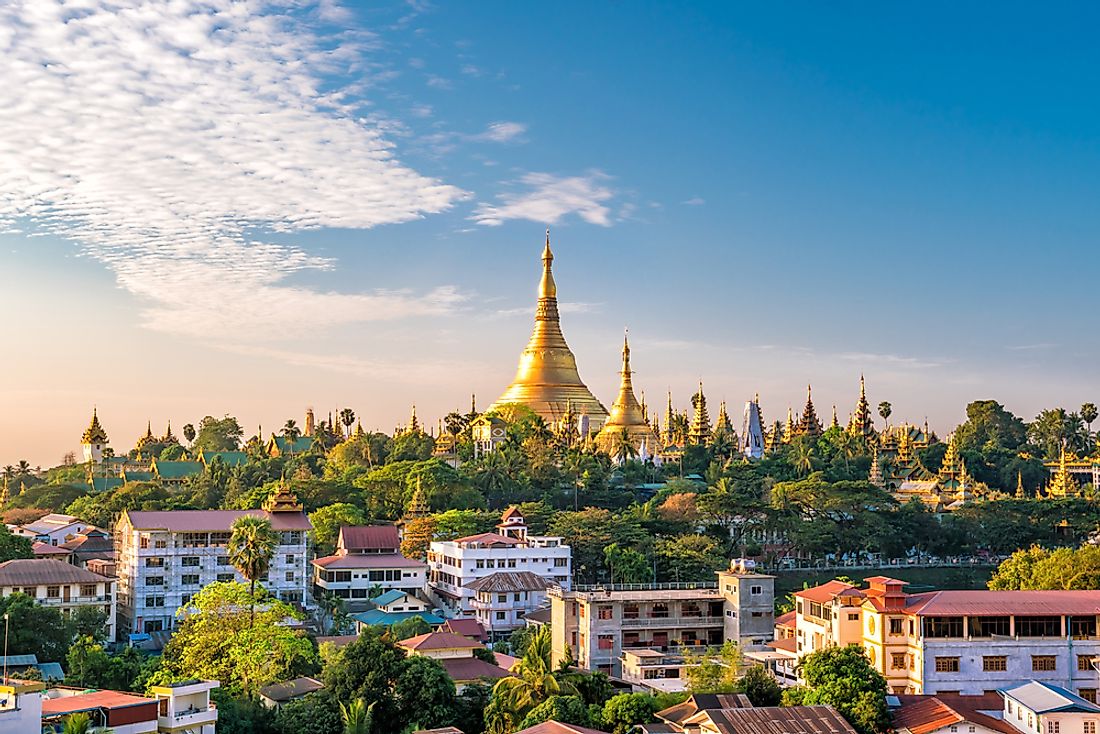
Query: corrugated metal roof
x=959, y=602
x=772, y=719
x=291, y=689
x=369, y=537
x=828, y=591
x=35, y=571
x=1043, y=697
x=439, y=641
x=95, y=700
x=368, y=560
x=509, y=581
x=197, y=521
x=926, y=714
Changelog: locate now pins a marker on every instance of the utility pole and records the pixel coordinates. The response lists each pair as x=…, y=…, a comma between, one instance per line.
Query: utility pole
x=6, y=615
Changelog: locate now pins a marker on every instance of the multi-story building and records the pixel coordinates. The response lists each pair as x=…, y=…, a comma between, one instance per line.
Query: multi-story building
x=21, y=706
x=60, y=585
x=166, y=557
x=596, y=624
x=455, y=564
x=956, y=641
x=367, y=557
x=53, y=529
x=503, y=599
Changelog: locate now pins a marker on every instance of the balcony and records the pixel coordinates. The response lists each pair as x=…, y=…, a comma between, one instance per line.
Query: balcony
x=189, y=717
x=664, y=622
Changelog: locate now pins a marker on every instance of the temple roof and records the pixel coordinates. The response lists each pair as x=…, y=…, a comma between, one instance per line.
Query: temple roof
x=94, y=433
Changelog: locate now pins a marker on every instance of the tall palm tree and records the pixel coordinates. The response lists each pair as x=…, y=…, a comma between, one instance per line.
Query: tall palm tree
x=1089, y=413
x=802, y=457
x=9, y=472
x=623, y=448
x=885, y=409
x=291, y=432
x=358, y=716
x=252, y=544
x=347, y=417
x=535, y=680
x=23, y=468
x=846, y=442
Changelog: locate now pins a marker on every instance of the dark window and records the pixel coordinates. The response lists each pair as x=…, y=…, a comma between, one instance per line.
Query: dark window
x=1081, y=627
x=1039, y=626
x=990, y=626
x=943, y=626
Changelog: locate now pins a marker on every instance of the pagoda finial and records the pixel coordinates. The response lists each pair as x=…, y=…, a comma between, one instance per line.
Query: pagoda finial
x=547, y=287
x=473, y=403
x=835, y=423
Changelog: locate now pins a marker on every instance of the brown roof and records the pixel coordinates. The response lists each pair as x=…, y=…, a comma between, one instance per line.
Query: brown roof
x=439, y=641
x=291, y=689
x=90, y=541
x=1003, y=603
x=926, y=714
x=512, y=511
x=368, y=560
x=468, y=669
x=556, y=727
x=828, y=591
x=788, y=644
x=540, y=615
x=786, y=620
x=772, y=719
x=45, y=549
x=369, y=537
x=465, y=626
x=34, y=571
x=93, y=700
x=509, y=581
x=488, y=539
x=197, y=521
x=700, y=702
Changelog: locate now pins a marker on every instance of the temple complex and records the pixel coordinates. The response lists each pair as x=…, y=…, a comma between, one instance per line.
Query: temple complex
x=627, y=418
x=547, y=380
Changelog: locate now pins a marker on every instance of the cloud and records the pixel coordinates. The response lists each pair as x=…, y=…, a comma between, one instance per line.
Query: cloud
x=550, y=198
x=565, y=307
x=173, y=139
x=502, y=132
x=695, y=201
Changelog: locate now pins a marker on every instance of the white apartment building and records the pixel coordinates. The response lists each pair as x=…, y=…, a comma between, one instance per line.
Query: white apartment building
x=60, y=585
x=954, y=641
x=455, y=564
x=165, y=557
x=503, y=599
x=367, y=557
x=53, y=529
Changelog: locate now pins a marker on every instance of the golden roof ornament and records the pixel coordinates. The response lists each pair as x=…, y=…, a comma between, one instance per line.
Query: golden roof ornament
x=699, y=432
x=94, y=433
x=626, y=413
x=547, y=377
x=283, y=500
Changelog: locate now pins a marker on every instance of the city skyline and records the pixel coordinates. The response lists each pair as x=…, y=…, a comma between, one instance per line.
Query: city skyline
x=348, y=212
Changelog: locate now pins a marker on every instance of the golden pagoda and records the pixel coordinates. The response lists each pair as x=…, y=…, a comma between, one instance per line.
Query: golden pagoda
x=861, y=423
x=282, y=500
x=808, y=424
x=1062, y=483
x=699, y=434
x=94, y=433
x=627, y=416
x=788, y=430
x=547, y=380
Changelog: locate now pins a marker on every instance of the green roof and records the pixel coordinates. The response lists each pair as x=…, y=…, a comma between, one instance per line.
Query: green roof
x=137, y=476
x=229, y=458
x=102, y=484
x=301, y=444
x=177, y=469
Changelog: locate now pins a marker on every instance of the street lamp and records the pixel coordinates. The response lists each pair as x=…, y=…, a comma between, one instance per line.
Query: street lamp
x=6, y=615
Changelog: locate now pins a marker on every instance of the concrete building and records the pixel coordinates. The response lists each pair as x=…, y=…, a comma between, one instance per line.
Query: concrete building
x=186, y=707
x=395, y=606
x=750, y=605
x=53, y=529
x=180, y=708
x=456, y=654
x=1036, y=707
x=454, y=565
x=60, y=585
x=502, y=600
x=166, y=557
x=21, y=706
x=366, y=558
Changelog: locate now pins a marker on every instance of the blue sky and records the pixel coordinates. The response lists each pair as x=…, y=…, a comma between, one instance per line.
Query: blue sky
x=212, y=207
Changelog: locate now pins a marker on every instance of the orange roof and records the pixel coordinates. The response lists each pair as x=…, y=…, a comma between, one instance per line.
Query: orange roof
x=512, y=511
x=488, y=539
x=439, y=641
x=926, y=714
x=786, y=620
x=788, y=644
x=556, y=727
x=94, y=700
x=828, y=591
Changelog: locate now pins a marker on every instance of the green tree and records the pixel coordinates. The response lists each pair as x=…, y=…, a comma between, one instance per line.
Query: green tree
x=347, y=418
x=760, y=686
x=78, y=723
x=14, y=546
x=252, y=544
x=316, y=713
x=566, y=709
x=88, y=621
x=189, y=433
x=843, y=678
x=715, y=670
x=989, y=426
x=216, y=640
x=623, y=712
x=367, y=669
x=34, y=629
x=425, y=693
x=534, y=682
x=1037, y=568
x=626, y=565
x=885, y=409
x=218, y=434
x=1089, y=414
x=327, y=522
x=591, y=530
x=358, y=716
x=689, y=558
x=457, y=524
x=407, y=628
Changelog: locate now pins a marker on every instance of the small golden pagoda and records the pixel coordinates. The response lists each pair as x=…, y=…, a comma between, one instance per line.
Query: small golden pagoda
x=809, y=424
x=861, y=423
x=700, y=421
x=1062, y=483
x=788, y=430
x=547, y=380
x=627, y=415
x=283, y=500
x=94, y=433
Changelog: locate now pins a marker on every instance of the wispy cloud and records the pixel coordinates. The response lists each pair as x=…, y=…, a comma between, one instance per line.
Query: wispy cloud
x=1032, y=347
x=167, y=138
x=503, y=132
x=695, y=201
x=550, y=198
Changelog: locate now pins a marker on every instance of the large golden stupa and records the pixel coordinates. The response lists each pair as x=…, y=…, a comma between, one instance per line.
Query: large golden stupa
x=547, y=380
x=627, y=418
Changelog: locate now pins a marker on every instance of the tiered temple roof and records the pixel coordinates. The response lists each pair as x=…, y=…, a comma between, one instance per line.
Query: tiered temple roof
x=809, y=424
x=700, y=422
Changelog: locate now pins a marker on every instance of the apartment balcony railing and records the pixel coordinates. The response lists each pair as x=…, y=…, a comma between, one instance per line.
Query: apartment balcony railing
x=670, y=586
x=659, y=622
x=192, y=716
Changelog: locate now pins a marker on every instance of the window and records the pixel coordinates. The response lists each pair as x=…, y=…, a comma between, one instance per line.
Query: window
x=1084, y=662
x=189, y=561
x=756, y=590
x=502, y=598
x=154, y=581
x=912, y=628
x=897, y=626
x=1053, y=727
x=154, y=601
x=947, y=665
x=561, y=562
x=511, y=563
x=501, y=616
x=290, y=559
x=481, y=563
x=1082, y=627
x=605, y=642
x=223, y=560
x=604, y=612
x=943, y=627
x=185, y=599
x=990, y=626
x=52, y=592
x=1089, y=694
x=1090, y=726
x=143, y=541
x=160, y=543
x=31, y=591
x=994, y=663
x=289, y=575
x=87, y=589
x=190, y=579
x=225, y=577
x=853, y=616
x=154, y=562
x=954, y=728
x=1039, y=626
x=630, y=611
x=897, y=661
x=1044, y=663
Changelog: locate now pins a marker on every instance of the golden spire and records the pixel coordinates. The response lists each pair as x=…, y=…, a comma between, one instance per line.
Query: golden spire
x=1062, y=483
x=1019, y=485
x=699, y=432
x=788, y=430
x=414, y=422
x=547, y=376
x=94, y=433
x=359, y=428
x=418, y=505
x=626, y=413
x=835, y=423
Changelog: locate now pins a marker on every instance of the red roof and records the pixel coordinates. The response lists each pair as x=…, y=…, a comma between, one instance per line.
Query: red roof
x=369, y=537
x=926, y=714
x=368, y=560
x=94, y=700
x=489, y=539
x=467, y=627
x=828, y=591
x=512, y=511
x=439, y=641
x=468, y=669
x=786, y=620
x=787, y=644
x=197, y=521
x=45, y=549
x=556, y=727
x=1003, y=603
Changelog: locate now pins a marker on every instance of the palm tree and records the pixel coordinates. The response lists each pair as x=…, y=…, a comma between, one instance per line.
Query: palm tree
x=802, y=457
x=189, y=433
x=623, y=448
x=846, y=443
x=534, y=682
x=885, y=409
x=9, y=472
x=347, y=417
x=1089, y=413
x=23, y=468
x=252, y=545
x=291, y=431
x=78, y=723
x=358, y=716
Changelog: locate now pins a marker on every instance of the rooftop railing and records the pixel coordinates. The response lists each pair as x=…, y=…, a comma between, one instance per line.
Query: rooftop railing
x=670, y=586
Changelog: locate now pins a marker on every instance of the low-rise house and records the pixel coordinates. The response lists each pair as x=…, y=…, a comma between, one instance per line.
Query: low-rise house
x=672, y=719
x=395, y=606
x=455, y=564
x=186, y=707
x=277, y=694
x=784, y=719
x=60, y=585
x=167, y=556
x=1045, y=708
x=470, y=628
x=122, y=713
x=18, y=665
x=367, y=558
x=951, y=713
x=654, y=671
x=557, y=727
x=456, y=654
x=53, y=529
x=92, y=544
x=20, y=706
x=45, y=550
